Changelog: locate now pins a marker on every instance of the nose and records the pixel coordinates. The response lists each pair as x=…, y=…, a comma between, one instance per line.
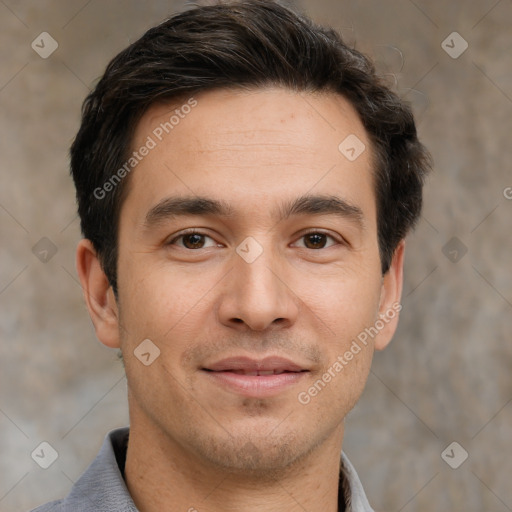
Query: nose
x=257, y=295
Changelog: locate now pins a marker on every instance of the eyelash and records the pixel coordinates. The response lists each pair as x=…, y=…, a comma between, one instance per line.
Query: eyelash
x=194, y=231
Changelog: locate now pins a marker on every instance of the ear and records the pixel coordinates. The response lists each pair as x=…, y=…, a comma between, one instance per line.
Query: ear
x=98, y=295
x=390, y=295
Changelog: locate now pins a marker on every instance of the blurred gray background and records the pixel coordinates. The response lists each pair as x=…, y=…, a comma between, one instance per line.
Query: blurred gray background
x=445, y=378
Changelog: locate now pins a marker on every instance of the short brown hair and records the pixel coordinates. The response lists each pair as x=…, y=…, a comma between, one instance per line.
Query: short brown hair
x=241, y=44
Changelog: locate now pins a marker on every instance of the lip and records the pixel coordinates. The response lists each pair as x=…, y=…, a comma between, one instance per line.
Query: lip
x=247, y=364
x=242, y=375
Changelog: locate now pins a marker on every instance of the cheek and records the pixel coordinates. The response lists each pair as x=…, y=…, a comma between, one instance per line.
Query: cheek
x=158, y=299
x=348, y=351
x=344, y=311
x=338, y=388
x=157, y=307
x=347, y=303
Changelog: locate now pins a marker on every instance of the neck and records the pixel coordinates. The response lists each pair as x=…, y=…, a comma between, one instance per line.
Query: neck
x=160, y=473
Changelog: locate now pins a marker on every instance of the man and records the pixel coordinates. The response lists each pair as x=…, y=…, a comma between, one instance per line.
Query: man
x=245, y=184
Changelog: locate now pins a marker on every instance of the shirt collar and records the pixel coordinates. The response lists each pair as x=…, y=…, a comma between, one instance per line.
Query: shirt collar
x=102, y=486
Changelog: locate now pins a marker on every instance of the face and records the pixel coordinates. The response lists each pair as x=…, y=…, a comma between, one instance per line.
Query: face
x=248, y=255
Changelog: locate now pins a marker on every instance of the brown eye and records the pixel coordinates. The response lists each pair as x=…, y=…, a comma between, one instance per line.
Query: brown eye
x=191, y=240
x=317, y=240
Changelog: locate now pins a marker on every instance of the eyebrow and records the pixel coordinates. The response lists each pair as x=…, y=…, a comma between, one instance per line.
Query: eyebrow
x=181, y=206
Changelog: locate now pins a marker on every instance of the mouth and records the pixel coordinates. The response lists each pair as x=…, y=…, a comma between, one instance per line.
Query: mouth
x=255, y=378
x=247, y=365
x=255, y=373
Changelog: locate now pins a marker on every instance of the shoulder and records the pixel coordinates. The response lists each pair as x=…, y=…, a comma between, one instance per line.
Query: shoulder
x=101, y=483
x=53, y=506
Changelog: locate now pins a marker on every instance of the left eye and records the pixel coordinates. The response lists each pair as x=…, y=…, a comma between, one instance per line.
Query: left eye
x=316, y=239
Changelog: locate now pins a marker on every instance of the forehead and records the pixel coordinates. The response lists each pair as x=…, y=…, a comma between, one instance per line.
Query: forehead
x=269, y=115
x=241, y=143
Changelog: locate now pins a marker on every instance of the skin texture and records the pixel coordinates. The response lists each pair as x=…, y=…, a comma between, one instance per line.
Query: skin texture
x=195, y=444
